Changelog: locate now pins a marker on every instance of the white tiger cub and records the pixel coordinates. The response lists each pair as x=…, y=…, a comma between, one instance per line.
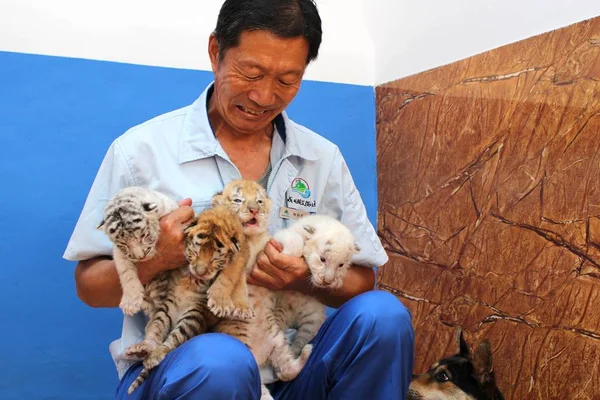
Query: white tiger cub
x=131, y=221
x=262, y=334
x=328, y=246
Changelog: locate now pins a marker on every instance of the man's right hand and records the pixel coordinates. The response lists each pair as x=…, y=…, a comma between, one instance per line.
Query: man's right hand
x=170, y=247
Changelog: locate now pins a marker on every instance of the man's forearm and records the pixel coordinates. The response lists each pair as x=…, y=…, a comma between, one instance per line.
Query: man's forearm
x=98, y=283
x=358, y=280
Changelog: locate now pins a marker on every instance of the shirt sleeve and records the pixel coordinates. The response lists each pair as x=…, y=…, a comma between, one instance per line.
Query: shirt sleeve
x=343, y=200
x=86, y=241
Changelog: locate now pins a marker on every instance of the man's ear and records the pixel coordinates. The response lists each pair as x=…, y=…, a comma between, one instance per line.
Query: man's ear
x=213, y=51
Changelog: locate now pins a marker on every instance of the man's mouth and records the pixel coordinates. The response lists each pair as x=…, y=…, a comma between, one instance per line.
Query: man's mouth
x=250, y=111
x=251, y=222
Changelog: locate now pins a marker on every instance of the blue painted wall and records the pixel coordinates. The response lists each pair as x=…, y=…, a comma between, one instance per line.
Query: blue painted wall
x=57, y=118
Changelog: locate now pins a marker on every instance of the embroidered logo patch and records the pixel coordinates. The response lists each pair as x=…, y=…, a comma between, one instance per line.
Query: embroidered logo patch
x=300, y=186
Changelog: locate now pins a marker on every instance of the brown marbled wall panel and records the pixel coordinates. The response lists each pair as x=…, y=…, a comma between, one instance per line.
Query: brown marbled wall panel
x=489, y=207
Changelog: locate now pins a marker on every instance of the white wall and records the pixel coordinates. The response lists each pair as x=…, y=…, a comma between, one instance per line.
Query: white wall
x=151, y=32
x=365, y=42
x=412, y=36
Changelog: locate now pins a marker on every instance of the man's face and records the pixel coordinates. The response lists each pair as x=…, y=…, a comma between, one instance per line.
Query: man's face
x=256, y=80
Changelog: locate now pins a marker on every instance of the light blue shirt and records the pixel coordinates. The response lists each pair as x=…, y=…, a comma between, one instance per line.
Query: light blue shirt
x=177, y=153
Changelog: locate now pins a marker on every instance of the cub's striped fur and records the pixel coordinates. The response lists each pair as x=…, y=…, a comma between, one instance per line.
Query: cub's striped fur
x=217, y=252
x=262, y=334
x=131, y=221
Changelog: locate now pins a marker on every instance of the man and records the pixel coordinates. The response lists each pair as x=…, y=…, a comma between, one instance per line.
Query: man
x=238, y=128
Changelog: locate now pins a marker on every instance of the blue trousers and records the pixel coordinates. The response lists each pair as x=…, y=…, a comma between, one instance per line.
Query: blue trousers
x=364, y=350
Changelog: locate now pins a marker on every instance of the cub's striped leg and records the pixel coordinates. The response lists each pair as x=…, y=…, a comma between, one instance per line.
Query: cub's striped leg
x=309, y=320
x=159, y=308
x=190, y=324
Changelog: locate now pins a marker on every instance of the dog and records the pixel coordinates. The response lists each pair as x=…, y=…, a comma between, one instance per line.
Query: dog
x=463, y=376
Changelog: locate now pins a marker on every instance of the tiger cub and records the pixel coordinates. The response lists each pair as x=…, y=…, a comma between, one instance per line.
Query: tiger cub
x=261, y=334
x=328, y=246
x=131, y=221
x=217, y=252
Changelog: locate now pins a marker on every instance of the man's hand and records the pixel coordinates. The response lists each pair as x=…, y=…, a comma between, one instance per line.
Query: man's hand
x=170, y=247
x=277, y=271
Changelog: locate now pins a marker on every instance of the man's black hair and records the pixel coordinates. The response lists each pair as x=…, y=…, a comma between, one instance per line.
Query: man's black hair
x=283, y=18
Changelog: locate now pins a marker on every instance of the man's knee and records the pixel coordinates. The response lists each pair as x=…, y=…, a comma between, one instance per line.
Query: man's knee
x=383, y=315
x=211, y=366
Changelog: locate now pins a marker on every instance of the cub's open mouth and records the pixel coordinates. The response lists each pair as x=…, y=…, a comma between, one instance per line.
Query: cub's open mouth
x=251, y=222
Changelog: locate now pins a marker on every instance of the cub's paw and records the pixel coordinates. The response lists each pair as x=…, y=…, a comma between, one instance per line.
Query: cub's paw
x=155, y=357
x=222, y=307
x=131, y=304
x=265, y=394
x=242, y=311
x=140, y=350
x=306, y=351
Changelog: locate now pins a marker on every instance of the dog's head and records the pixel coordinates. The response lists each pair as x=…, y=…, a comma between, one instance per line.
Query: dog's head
x=463, y=376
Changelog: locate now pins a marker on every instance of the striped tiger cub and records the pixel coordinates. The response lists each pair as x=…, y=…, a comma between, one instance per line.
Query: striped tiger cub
x=217, y=252
x=131, y=221
x=262, y=334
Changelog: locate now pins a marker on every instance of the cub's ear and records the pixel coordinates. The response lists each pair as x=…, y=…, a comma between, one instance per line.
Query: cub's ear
x=235, y=244
x=217, y=198
x=149, y=206
x=309, y=230
x=192, y=224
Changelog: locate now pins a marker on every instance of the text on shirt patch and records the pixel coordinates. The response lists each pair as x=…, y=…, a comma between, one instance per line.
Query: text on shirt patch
x=300, y=202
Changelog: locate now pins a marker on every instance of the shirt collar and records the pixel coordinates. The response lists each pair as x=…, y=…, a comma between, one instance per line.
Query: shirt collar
x=198, y=140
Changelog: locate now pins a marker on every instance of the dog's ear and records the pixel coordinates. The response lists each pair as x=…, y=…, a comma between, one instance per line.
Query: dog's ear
x=463, y=347
x=483, y=363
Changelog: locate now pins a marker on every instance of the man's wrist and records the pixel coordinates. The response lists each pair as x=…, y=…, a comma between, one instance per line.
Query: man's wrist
x=148, y=269
x=303, y=286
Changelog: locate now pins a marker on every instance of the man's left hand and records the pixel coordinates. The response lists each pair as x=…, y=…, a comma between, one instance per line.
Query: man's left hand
x=276, y=271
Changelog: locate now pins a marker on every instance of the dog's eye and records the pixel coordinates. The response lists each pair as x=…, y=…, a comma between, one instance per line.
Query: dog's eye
x=442, y=377
x=341, y=265
x=322, y=259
